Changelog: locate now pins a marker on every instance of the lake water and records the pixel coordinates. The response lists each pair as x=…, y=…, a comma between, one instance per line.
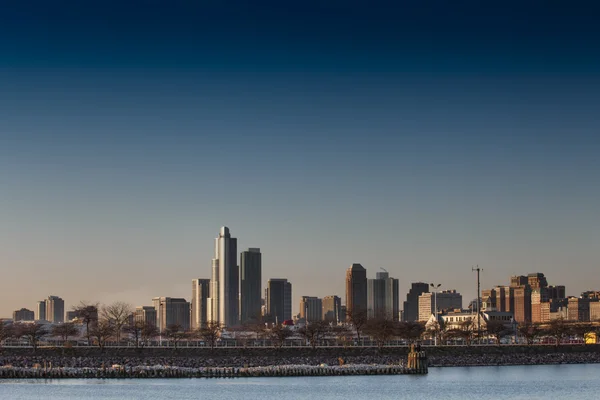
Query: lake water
x=531, y=382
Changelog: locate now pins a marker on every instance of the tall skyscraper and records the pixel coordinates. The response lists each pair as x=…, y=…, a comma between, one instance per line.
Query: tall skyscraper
x=383, y=297
x=250, y=284
x=55, y=309
x=40, y=312
x=225, y=282
x=522, y=303
x=332, y=309
x=311, y=308
x=356, y=291
x=200, y=295
x=279, y=300
x=411, y=305
x=171, y=311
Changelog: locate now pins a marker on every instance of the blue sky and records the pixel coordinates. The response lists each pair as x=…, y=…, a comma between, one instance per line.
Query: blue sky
x=421, y=139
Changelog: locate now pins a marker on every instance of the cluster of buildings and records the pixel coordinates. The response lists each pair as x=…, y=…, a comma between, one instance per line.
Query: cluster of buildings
x=530, y=299
x=233, y=296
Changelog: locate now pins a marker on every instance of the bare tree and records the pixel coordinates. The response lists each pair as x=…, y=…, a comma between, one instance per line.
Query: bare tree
x=314, y=331
x=410, y=330
x=465, y=332
x=65, y=331
x=497, y=330
x=529, y=331
x=210, y=333
x=118, y=314
x=34, y=333
x=342, y=334
x=279, y=334
x=136, y=331
x=359, y=319
x=175, y=334
x=580, y=329
x=87, y=313
x=381, y=330
x=557, y=329
x=6, y=332
x=101, y=331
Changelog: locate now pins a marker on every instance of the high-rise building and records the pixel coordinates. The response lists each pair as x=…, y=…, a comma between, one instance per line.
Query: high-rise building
x=425, y=306
x=23, y=315
x=171, y=311
x=311, y=308
x=199, y=304
x=578, y=309
x=556, y=292
x=383, y=297
x=250, y=284
x=356, y=291
x=331, y=309
x=146, y=314
x=40, y=312
x=594, y=311
x=536, y=305
x=518, y=280
x=411, y=305
x=279, y=300
x=225, y=282
x=446, y=300
x=522, y=303
x=55, y=309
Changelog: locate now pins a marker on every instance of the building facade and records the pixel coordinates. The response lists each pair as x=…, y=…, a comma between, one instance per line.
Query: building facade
x=411, y=305
x=311, y=308
x=279, y=300
x=331, y=309
x=578, y=309
x=522, y=303
x=383, y=297
x=172, y=311
x=224, y=291
x=145, y=314
x=23, y=315
x=250, y=285
x=356, y=291
x=55, y=309
x=40, y=311
x=199, y=303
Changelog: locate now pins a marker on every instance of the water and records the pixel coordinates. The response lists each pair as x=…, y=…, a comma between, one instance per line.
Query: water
x=531, y=382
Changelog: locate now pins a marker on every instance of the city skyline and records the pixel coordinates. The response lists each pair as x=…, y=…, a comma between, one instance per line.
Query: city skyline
x=423, y=140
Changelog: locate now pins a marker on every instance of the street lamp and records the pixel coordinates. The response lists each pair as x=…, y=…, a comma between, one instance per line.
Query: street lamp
x=435, y=289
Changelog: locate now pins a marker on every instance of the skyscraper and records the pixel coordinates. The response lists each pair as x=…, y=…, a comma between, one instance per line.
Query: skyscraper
x=55, y=309
x=279, y=300
x=383, y=297
x=356, y=291
x=40, y=312
x=145, y=314
x=23, y=315
x=311, y=308
x=171, y=311
x=522, y=303
x=199, y=304
x=332, y=309
x=224, y=291
x=250, y=284
x=411, y=305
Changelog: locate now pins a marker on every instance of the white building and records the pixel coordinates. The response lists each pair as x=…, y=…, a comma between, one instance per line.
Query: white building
x=224, y=286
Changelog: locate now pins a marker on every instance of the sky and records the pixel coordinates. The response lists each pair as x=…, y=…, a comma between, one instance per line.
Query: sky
x=421, y=138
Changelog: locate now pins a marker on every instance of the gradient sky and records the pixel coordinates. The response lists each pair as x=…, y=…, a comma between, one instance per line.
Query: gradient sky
x=424, y=139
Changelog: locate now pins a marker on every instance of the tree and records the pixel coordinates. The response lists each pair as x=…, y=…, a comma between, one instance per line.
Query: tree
x=464, y=332
x=497, y=330
x=410, y=331
x=381, y=330
x=359, y=319
x=557, y=329
x=101, y=331
x=139, y=331
x=6, y=332
x=175, y=334
x=210, y=333
x=580, y=329
x=149, y=332
x=88, y=315
x=279, y=334
x=65, y=331
x=342, y=334
x=118, y=314
x=314, y=331
x=33, y=333
x=529, y=331
x=257, y=326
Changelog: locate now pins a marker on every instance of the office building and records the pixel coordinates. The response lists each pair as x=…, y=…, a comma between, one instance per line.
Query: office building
x=171, y=311
x=199, y=304
x=71, y=315
x=224, y=290
x=23, y=315
x=250, y=285
x=518, y=280
x=311, y=309
x=411, y=305
x=522, y=303
x=55, y=309
x=557, y=292
x=356, y=291
x=446, y=300
x=578, y=309
x=425, y=306
x=279, y=300
x=595, y=311
x=145, y=314
x=331, y=309
x=383, y=297
x=40, y=312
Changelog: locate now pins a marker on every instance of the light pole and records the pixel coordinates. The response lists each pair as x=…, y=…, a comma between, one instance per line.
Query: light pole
x=437, y=322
